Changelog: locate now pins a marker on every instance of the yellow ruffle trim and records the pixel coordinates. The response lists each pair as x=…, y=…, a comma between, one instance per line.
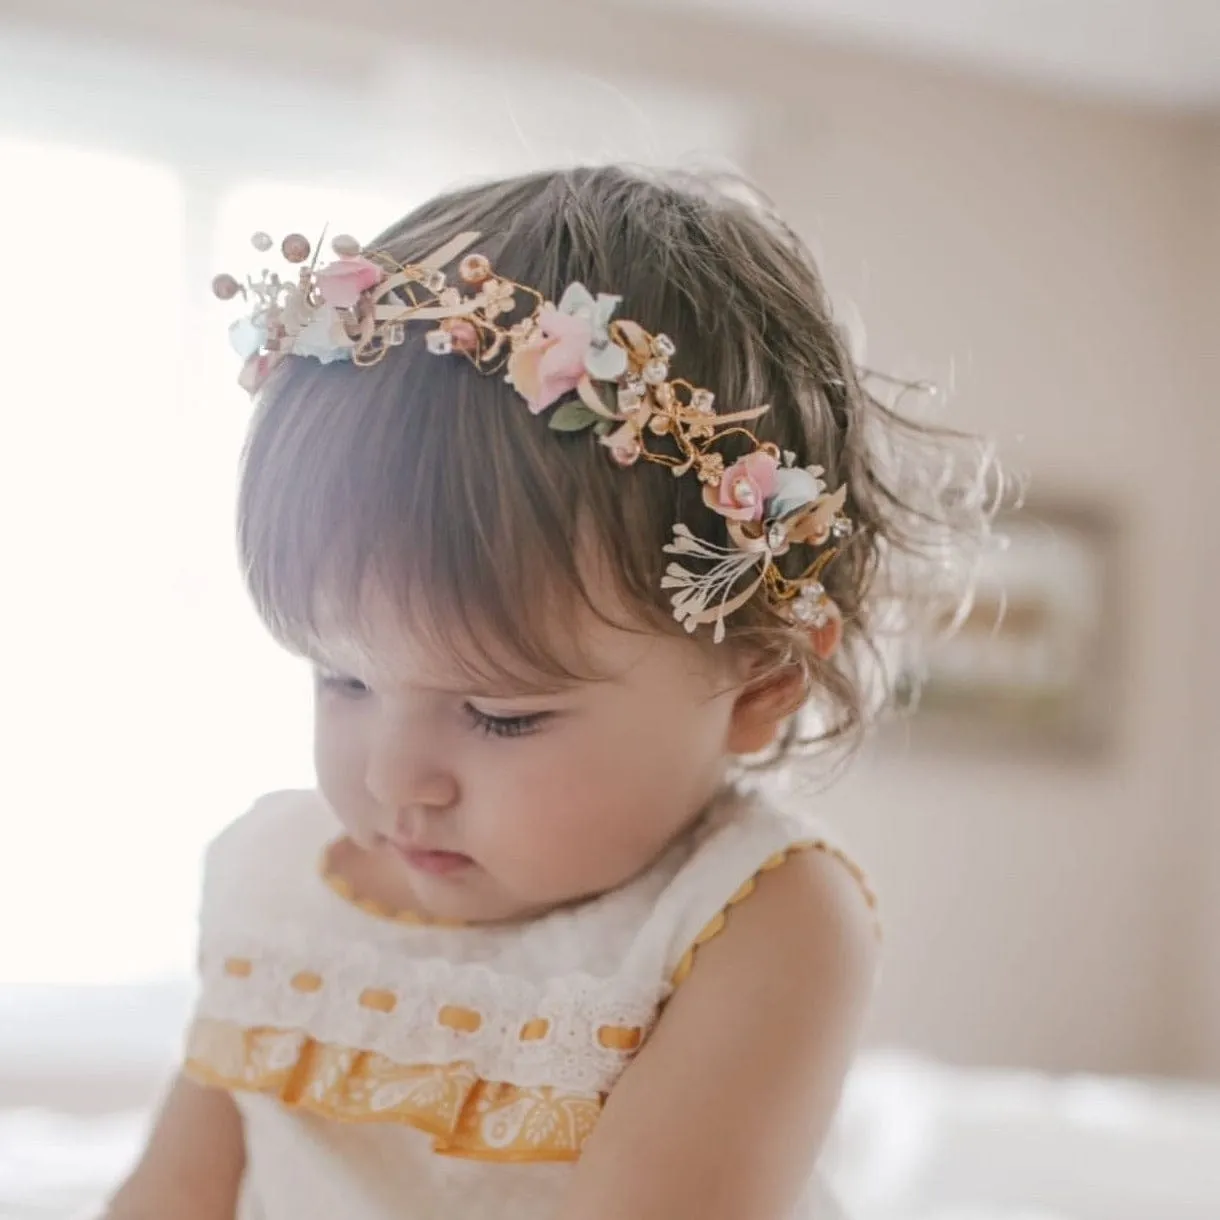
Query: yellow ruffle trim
x=717, y=923
x=465, y=1115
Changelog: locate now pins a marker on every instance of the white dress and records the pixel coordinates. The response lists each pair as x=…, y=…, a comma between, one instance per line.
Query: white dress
x=390, y=1069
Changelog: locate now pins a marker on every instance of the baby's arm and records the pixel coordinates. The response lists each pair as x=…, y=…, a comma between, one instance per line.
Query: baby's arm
x=193, y=1165
x=722, y=1114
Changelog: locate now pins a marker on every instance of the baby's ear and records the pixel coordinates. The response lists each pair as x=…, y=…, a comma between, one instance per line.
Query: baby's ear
x=762, y=705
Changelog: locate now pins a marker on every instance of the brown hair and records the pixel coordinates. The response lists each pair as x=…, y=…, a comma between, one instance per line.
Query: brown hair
x=476, y=516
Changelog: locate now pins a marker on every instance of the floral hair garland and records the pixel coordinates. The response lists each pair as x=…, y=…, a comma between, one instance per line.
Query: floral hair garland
x=598, y=372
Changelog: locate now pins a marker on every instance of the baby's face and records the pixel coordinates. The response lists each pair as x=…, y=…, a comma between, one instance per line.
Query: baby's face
x=481, y=804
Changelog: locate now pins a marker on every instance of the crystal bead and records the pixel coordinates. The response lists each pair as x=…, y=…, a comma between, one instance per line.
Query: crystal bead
x=629, y=396
x=655, y=372
x=663, y=346
x=262, y=242
x=842, y=527
x=777, y=536
x=295, y=247
x=434, y=281
x=804, y=612
x=814, y=592
x=702, y=401
x=225, y=287
x=345, y=245
x=810, y=612
x=396, y=335
x=440, y=342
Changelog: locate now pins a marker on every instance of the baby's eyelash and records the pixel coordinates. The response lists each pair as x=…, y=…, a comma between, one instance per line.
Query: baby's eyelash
x=342, y=684
x=506, y=726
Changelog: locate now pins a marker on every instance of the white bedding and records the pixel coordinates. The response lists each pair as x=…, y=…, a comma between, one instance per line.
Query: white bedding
x=915, y=1142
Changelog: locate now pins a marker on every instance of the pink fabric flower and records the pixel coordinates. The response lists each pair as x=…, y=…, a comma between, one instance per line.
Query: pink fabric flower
x=340, y=283
x=746, y=487
x=553, y=363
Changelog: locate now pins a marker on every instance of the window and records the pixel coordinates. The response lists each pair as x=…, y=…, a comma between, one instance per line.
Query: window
x=145, y=706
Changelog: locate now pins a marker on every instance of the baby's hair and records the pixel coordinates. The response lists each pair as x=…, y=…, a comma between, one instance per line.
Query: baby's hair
x=483, y=524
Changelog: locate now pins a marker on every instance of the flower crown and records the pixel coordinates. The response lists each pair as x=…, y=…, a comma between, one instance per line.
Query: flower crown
x=598, y=372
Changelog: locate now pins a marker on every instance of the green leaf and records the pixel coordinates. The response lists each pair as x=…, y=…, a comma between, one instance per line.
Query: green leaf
x=572, y=417
x=603, y=427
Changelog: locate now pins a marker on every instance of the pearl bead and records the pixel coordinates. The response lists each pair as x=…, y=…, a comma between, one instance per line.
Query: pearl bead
x=627, y=453
x=262, y=242
x=295, y=247
x=345, y=245
x=225, y=287
x=743, y=493
x=474, y=268
x=464, y=336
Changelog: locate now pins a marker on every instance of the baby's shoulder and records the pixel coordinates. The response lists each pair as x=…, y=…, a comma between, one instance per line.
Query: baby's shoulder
x=744, y=837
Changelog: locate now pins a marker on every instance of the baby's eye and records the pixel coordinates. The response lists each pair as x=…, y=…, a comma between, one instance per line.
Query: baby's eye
x=342, y=684
x=505, y=726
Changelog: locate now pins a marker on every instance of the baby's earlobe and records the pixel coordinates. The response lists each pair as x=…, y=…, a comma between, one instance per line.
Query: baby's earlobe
x=762, y=708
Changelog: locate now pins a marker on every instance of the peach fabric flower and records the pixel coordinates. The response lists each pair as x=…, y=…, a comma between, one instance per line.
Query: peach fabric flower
x=572, y=342
x=746, y=487
x=553, y=363
x=340, y=283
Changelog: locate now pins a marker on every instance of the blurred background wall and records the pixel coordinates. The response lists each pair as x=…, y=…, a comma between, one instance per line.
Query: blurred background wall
x=1044, y=242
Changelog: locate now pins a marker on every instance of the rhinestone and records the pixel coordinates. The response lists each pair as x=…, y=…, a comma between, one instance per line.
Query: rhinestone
x=842, y=527
x=663, y=346
x=295, y=247
x=655, y=372
x=262, y=242
x=345, y=245
x=435, y=281
x=396, y=335
x=440, y=342
x=804, y=612
x=777, y=535
x=225, y=287
x=702, y=400
x=629, y=396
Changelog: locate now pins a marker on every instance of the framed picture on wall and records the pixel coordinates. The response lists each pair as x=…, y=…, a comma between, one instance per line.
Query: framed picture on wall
x=1037, y=663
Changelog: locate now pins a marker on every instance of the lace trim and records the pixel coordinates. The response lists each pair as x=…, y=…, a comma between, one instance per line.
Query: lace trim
x=717, y=923
x=575, y=1033
x=466, y=1115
